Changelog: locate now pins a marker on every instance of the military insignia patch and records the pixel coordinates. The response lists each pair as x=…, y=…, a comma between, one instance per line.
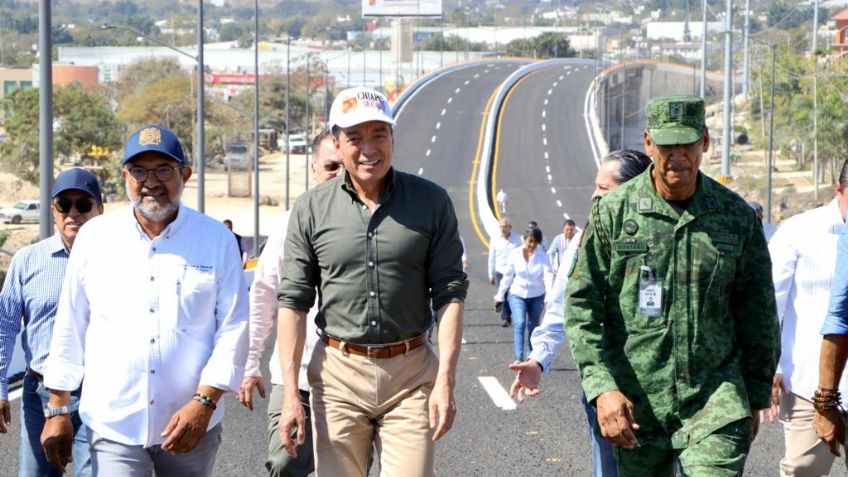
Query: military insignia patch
x=630, y=226
x=645, y=204
x=675, y=110
x=150, y=137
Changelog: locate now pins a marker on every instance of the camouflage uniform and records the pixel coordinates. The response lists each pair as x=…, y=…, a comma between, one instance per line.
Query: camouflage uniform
x=694, y=372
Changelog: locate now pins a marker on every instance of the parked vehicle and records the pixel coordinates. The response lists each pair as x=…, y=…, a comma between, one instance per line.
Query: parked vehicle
x=23, y=211
x=297, y=144
x=237, y=157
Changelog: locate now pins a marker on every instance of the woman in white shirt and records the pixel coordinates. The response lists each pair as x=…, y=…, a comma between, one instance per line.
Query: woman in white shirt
x=524, y=285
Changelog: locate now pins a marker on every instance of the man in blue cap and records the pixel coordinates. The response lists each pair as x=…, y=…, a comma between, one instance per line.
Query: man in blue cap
x=154, y=315
x=28, y=300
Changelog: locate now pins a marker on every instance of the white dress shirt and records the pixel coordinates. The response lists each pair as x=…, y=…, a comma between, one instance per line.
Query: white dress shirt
x=547, y=338
x=263, y=312
x=147, y=321
x=499, y=250
x=803, y=256
x=526, y=278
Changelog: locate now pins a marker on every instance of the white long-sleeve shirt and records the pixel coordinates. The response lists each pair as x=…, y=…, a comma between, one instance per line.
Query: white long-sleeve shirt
x=147, y=321
x=526, y=278
x=499, y=250
x=803, y=256
x=263, y=312
x=547, y=338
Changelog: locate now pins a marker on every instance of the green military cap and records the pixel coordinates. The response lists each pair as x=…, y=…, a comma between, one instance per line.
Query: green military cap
x=675, y=119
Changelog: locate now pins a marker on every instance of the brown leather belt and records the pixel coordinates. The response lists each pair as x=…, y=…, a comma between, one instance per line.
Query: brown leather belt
x=37, y=376
x=382, y=351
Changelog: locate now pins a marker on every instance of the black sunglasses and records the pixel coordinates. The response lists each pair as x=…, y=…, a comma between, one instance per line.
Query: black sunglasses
x=163, y=173
x=83, y=205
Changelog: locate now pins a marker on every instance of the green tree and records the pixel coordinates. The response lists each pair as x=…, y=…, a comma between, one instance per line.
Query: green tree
x=546, y=45
x=141, y=73
x=82, y=119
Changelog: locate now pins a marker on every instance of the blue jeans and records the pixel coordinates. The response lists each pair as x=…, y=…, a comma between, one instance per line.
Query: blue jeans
x=33, y=463
x=603, y=460
x=525, y=314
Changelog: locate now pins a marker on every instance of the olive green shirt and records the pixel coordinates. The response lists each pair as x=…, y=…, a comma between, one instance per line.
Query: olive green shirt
x=374, y=273
x=709, y=356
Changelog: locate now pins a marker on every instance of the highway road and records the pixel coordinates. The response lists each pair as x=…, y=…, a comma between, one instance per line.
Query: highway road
x=438, y=137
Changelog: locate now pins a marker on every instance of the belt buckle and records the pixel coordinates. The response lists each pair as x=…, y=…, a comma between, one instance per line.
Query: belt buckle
x=368, y=349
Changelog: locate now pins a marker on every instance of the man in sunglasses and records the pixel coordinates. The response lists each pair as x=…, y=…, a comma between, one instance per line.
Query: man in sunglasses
x=153, y=315
x=263, y=314
x=28, y=300
x=671, y=309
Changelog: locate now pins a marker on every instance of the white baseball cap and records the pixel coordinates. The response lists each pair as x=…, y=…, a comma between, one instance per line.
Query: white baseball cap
x=359, y=105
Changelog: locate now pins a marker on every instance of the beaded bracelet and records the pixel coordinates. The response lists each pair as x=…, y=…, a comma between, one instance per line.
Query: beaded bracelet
x=825, y=399
x=205, y=400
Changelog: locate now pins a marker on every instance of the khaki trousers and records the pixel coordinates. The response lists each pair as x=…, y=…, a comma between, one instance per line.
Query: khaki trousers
x=806, y=454
x=357, y=401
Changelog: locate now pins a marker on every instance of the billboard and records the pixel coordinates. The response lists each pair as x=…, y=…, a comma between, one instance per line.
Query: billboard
x=401, y=8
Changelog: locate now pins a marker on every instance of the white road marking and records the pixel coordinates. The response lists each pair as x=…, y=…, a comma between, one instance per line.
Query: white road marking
x=485, y=71
x=497, y=392
x=546, y=102
x=15, y=394
x=565, y=214
x=433, y=139
x=556, y=83
x=450, y=100
x=467, y=81
x=444, y=111
x=543, y=127
x=547, y=168
x=476, y=75
x=544, y=112
x=428, y=153
x=457, y=90
x=550, y=178
x=550, y=91
x=438, y=125
x=559, y=203
x=561, y=77
x=553, y=190
x=568, y=73
x=546, y=158
x=420, y=170
x=545, y=141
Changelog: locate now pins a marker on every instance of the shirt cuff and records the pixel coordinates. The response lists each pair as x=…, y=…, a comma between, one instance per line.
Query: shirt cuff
x=62, y=376
x=4, y=389
x=251, y=370
x=541, y=354
x=834, y=326
x=222, y=375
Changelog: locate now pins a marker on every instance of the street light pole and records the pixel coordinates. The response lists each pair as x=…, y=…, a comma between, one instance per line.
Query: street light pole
x=771, y=137
x=256, y=128
x=308, y=125
x=201, y=136
x=45, y=118
x=288, y=115
x=815, y=103
x=728, y=100
x=704, y=51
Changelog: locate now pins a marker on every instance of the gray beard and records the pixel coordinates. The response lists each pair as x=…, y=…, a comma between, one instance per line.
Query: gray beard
x=156, y=212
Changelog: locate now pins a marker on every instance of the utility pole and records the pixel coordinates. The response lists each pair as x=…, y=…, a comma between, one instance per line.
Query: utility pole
x=745, y=62
x=815, y=102
x=771, y=137
x=704, y=51
x=45, y=118
x=201, y=135
x=256, y=128
x=308, y=126
x=728, y=99
x=288, y=115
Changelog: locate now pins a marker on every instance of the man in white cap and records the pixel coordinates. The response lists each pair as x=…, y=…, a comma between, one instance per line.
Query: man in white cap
x=378, y=244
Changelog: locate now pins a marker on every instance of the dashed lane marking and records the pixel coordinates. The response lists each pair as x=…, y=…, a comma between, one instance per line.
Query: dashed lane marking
x=444, y=111
x=559, y=203
x=428, y=153
x=420, y=171
x=497, y=392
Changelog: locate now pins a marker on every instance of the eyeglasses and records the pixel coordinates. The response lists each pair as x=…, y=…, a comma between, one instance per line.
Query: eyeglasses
x=163, y=173
x=83, y=205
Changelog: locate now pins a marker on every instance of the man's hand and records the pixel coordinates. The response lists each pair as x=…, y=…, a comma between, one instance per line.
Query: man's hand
x=615, y=417
x=5, y=416
x=777, y=385
x=491, y=281
x=57, y=438
x=757, y=418
x=245, y=394
x=292, y=423
x=186, y=428
x=442, y=408
x=527, y=378
x=830, y=427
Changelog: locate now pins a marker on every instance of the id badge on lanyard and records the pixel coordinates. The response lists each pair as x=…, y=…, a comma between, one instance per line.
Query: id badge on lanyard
x=650, y=293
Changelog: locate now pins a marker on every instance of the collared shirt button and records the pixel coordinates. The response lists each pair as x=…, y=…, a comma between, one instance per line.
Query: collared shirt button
x=373, y=323
x=152, y=371
x=371, y=264
x=152, y=340
x=154, y=249
x=152, y=310
x=372, y=293
x=151, y=402
x=152, y=278
x=370, y=234
x=364, y=206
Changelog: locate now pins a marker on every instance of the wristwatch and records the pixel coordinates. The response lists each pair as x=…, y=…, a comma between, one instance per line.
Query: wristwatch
x=50, y=411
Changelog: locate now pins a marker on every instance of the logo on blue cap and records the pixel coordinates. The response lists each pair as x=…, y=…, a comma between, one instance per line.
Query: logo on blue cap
x=155, y=139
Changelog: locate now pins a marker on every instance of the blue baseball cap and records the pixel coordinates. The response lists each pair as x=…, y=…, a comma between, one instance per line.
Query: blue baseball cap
x=77, y=178
x=154, y=138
